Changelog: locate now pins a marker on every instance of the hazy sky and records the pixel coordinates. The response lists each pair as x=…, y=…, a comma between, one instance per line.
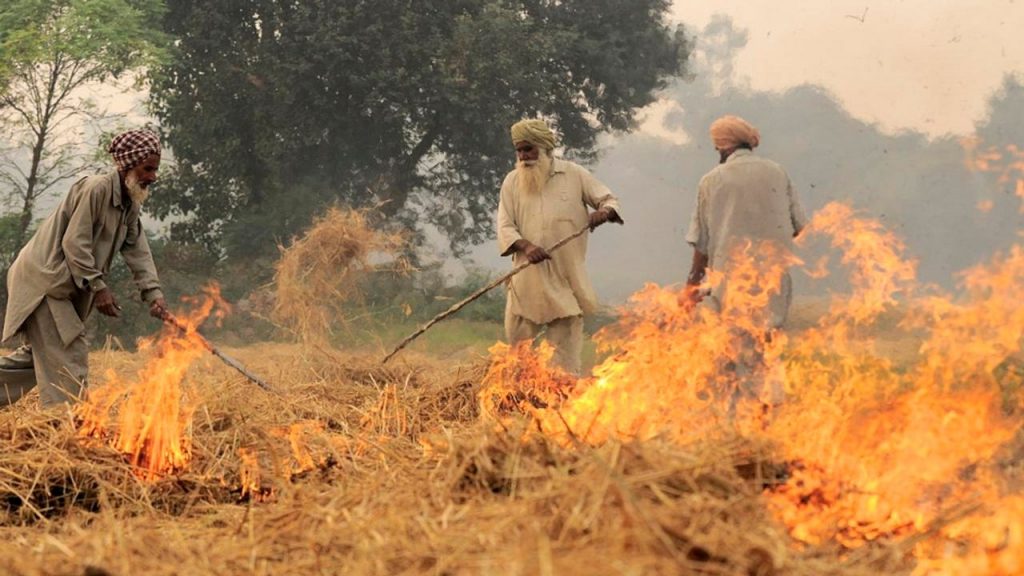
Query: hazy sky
x=926, y=65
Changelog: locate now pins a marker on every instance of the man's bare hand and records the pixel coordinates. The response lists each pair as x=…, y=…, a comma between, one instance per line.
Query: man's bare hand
x=598, y=217
x=106, y=303
x=535, y=253
x=158, y=308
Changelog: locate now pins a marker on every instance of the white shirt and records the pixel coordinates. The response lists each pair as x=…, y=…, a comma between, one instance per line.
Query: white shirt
x=559, y=287
x=748, y=198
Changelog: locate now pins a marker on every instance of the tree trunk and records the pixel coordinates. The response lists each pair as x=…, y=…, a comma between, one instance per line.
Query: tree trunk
x=29, y=204
x=32, y=183
x=399, y=182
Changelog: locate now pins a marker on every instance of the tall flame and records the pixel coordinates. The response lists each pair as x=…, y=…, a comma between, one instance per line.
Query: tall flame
x=1006, y=162
x=150, y=419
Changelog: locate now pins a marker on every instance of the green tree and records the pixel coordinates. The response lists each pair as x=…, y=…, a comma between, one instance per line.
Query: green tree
x=52, y=54
x=275, y=109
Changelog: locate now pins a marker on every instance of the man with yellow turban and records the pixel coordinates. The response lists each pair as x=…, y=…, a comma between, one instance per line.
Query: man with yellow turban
x=542, y=201
x=746, y=201
x=59, y=275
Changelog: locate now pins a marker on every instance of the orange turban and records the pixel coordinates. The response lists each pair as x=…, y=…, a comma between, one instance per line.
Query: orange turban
x=733, y=131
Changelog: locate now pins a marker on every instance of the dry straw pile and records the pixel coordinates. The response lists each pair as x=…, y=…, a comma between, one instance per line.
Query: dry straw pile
x=359, y=469
x=317, y=278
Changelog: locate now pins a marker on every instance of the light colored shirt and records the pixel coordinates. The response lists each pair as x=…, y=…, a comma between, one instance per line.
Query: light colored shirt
x=68, y=257
x=559, y=287
x=748, y=198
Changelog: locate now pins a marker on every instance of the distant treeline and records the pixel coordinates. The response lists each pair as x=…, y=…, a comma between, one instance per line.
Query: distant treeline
x=271, y=111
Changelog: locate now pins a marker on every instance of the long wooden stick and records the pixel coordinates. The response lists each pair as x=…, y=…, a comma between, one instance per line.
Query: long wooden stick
x=169, y=319
x=458, y=306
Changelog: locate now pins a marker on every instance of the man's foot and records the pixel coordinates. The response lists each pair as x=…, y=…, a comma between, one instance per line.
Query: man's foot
x=20, y=359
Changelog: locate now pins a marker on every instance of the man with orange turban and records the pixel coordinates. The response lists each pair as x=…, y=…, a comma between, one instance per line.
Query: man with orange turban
x=60, y=275
x=542, y=201
x=745, y=202
x=746, y=198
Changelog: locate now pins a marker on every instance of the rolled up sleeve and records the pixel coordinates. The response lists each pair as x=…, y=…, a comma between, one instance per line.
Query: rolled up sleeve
x=597, y=195
x=697, y=234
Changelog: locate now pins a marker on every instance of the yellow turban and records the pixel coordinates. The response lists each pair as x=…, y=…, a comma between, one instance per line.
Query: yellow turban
x=535, y=132
x=733, y=131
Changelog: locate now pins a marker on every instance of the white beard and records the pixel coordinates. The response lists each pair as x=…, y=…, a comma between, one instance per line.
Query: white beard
x=136, y=192
x=533, y=175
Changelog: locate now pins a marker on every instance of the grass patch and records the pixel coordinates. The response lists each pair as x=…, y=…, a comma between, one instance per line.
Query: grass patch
x=455, y=338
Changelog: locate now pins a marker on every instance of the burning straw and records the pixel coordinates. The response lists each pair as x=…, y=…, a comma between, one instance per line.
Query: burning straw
x=918, y=454
x=368, y=474
x=368, y=471
x=150, y=419
x=317, y=278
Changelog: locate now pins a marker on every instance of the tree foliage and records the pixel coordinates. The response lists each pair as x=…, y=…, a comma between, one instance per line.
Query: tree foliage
x=52, y=52
x=274, y=109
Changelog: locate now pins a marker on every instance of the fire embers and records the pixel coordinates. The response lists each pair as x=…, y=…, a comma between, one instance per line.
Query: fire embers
x=521, y=379
x=286, y=454
x=1005, y=162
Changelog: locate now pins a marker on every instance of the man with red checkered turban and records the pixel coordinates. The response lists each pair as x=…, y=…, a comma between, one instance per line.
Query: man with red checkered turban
x=60, y=274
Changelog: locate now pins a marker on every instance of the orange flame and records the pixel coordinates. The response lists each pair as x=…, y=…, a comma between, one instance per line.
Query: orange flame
x=250, y=476
x=299, y=435
x=1007, y=163
x=522, y=378
x=150, y=419
x=876, y=449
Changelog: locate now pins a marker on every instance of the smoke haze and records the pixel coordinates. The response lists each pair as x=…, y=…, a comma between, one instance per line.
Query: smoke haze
x=919, y=187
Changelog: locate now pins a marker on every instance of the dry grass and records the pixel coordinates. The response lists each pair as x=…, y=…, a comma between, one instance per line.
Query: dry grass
x=317, y=277
x=370, y=470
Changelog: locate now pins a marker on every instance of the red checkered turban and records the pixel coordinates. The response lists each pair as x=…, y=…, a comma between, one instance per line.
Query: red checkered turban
x=131, y=148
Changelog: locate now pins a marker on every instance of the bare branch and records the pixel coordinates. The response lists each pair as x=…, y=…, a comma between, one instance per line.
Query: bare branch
x=10, y=179
x=25, y=114
x=18, y=188
x=71, y=81
x=32, y=84
x=62, y=177
x=14, y=166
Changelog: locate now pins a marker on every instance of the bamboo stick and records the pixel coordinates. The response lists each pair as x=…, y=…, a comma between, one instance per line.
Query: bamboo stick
x=459, y=305
x=169, y=319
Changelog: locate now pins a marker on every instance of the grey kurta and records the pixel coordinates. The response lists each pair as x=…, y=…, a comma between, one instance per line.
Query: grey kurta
x=559, y=287
x=746, y=198
x=70, y=254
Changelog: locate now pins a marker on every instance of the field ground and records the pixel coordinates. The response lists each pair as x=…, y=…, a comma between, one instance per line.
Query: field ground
x=456, y=339
x=363, y=469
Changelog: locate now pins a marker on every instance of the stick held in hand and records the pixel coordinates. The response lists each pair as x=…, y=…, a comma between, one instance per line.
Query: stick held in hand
x=459, y=305
x=170, y=320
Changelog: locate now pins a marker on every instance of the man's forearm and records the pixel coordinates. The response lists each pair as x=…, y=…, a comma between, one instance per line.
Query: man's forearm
x=697, y=269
